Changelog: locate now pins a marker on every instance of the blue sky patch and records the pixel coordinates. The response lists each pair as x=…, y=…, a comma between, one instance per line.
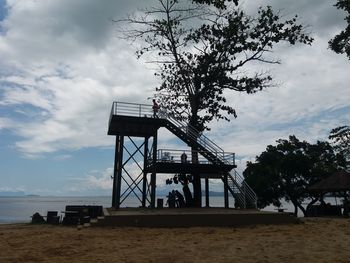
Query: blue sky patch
x=3, y=9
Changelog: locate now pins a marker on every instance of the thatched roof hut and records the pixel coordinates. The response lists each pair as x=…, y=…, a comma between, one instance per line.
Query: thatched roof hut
x=337, y=182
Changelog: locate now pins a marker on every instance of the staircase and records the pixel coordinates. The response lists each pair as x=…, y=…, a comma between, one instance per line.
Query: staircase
x=244, y=195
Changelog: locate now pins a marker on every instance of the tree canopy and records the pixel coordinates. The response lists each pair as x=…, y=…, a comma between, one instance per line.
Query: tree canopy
x=203, y=48
x=288, y=169
x=341, y=42
x=340, y=137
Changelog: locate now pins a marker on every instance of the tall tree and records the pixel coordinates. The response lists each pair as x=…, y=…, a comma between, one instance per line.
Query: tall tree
x=340, y=137
x=203, y=48
x=288, y=169
x=341, y=42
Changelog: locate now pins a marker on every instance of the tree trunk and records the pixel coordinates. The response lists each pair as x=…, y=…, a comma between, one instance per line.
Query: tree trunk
x=295, y=210
x=310, y=204
x=302, y=209
x=295, y=207
x=188, y=195
x=197, y=187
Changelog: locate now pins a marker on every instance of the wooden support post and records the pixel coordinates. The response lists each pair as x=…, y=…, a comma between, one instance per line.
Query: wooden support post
x=226, y=191
x=116, y=154
x=144, y=179
x=119, y=171
x=206, y=192
x=153, y=175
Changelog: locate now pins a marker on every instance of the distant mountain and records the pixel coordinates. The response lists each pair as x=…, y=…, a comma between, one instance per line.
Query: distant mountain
x=212, y=193
x=12, y=194
x=163, y=192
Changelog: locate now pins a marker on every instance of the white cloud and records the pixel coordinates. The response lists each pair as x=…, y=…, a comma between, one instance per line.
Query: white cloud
x=66, y=61
x=6, y=123
x=98, y=180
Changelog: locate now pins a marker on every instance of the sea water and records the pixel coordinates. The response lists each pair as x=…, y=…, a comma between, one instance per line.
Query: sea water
x=20, y=209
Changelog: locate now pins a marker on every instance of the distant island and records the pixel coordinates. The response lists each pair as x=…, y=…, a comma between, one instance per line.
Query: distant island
x=16, y=194
x=12, y=193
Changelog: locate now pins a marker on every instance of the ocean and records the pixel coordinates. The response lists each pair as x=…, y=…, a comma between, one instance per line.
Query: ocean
x=20, y=209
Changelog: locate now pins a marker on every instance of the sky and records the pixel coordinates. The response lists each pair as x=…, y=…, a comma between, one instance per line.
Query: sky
x=62, y=65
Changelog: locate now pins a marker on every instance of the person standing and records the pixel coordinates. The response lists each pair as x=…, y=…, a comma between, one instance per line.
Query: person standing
x=171, y=199
x=180, y=200
x=184, y=158
x=155, y=108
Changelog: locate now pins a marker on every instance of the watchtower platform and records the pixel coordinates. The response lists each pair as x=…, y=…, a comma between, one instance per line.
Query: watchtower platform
x=139, y=124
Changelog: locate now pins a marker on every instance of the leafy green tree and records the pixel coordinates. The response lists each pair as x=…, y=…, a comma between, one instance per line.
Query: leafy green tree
x=288, y=169
x=340, y=137
x=203, y=48
x=340, y=43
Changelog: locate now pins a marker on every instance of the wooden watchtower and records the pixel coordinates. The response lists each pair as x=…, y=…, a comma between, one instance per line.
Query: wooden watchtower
x=137, y=124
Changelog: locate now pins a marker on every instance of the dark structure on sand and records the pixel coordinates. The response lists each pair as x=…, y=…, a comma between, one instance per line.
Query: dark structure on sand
x=337, y=183
x=138, y=159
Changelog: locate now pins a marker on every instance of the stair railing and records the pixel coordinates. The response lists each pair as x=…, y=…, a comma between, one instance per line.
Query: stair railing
x=244, y=188
x=194, y=135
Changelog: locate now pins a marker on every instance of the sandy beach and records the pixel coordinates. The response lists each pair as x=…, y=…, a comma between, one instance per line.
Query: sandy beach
x=314, y=240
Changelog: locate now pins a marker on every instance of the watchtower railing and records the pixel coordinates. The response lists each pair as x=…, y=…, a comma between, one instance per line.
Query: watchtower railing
x=132, y=109
x=176, y=156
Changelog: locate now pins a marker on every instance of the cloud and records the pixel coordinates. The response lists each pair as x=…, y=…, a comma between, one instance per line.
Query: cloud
x=63, y=80
x=100, y=180
x=62, y=157
x=321, y=15
x=6, y=123
x=96, y=180
x=61, y=28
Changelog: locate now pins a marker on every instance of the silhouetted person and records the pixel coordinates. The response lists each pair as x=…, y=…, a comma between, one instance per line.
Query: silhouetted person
x=180, y=200
x=38, y=219
x=171, y=199
x=155, y=108
x=184, y=158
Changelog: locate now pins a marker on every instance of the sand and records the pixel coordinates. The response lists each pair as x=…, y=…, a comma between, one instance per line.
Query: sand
x=314, y=240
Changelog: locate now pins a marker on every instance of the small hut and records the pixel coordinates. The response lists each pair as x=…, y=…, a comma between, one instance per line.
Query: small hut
x=338, y=182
